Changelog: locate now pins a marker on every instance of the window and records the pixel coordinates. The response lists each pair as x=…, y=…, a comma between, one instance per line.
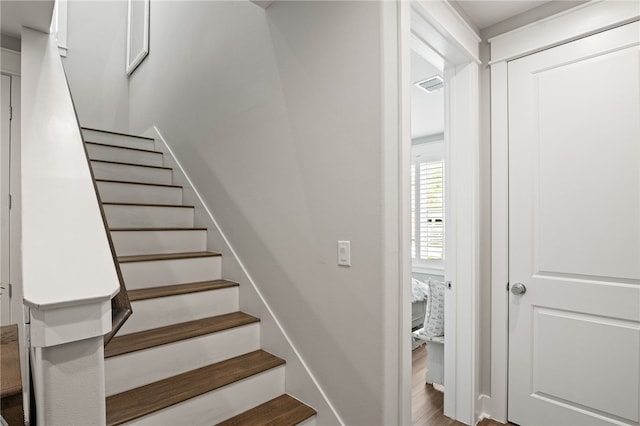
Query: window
x=427, y=205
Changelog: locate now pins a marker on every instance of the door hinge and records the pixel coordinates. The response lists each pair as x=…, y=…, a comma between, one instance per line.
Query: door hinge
x=10, y=201
x=10, y=291
x=507, y=286
x=10, y=113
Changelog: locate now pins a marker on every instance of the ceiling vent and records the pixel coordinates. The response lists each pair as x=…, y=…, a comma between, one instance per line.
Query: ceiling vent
x=431, y=84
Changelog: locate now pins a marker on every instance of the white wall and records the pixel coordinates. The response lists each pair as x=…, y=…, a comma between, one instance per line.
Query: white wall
x=275, y=115
x=95, y=63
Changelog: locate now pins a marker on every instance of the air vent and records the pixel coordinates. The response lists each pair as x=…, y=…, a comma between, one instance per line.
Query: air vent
x=431, y=84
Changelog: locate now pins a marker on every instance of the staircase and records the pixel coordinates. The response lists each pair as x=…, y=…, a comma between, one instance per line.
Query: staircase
x=187, y=355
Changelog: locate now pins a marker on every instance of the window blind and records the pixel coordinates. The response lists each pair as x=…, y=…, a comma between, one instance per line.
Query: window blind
x=427, y=210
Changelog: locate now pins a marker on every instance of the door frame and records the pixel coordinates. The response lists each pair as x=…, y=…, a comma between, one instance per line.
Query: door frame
x=572, y=24
x=445, y=38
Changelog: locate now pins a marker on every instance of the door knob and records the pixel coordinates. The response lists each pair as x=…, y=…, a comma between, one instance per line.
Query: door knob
x=518, y=289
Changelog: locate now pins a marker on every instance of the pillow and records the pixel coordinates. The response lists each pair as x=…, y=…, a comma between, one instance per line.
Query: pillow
x=434, y=317
x=419, y=290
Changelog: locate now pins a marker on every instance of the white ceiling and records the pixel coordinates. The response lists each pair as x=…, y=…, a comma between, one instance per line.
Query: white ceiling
x=487, y=13
x=35, y=14
x=427, y=109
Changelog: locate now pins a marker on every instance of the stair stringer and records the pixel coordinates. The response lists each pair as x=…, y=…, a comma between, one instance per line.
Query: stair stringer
x=300, y=381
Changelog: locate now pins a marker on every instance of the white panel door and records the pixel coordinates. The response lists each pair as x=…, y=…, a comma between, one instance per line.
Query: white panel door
x=574, y=232
x=5, y=130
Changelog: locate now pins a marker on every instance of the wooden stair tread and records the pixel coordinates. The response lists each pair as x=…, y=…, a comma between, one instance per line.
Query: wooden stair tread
x=11, y=378
x=131, y=164
x=175, y=332
x=116, y=133
x=174, y=290
x=108, y=203
x=155, y=229
x=131, y=182
x=167, y=256
x=281, y=411
x=147, y=399
x=150, y=151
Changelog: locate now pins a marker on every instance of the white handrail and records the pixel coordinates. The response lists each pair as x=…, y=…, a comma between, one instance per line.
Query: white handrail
x=66, y=255
x=69, y=273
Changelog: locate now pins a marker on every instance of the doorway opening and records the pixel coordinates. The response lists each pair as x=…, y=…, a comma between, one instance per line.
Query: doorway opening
x=440, y=234
x=427, y=207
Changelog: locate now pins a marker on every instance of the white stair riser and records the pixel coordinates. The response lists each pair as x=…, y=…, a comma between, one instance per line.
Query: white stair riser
x=168, y=272
x=124, y=155
x=139, y=368
x=162, y=311
x=309, y=422
x=120, y=140
x=131, y=173
x=113, y=192
x=154, y=242
x=221, y=404
x=148, y=216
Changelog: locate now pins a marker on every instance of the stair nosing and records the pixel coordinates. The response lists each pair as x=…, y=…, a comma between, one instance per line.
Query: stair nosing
x=131, y=164
x=117, y=133
x=165, y=393
x=115, y=203
x=175, y=334
x=149, y=151
x=158, y=229
x=167, y=256
x=179, y=289
x=130, y=182
x=248, y=416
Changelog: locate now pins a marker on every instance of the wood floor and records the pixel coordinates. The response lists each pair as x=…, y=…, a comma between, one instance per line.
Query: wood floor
x=427, y=403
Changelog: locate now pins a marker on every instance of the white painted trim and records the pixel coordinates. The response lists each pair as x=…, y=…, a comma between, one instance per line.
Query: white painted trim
x=9, y=61
x=462, y=136
x=52, y=327
x=154, y=132
x=426, y=270
x=131, y=65
x=438, y=24
x=499, y=241
x=61, y=26
x=262, y=3
x=396, y=163
x=580, y=21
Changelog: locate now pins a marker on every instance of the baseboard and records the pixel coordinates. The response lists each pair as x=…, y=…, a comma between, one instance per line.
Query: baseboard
x=305, y=388
x=484, y=408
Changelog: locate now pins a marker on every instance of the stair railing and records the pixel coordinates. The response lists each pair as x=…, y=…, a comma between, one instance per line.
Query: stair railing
x=69, y=272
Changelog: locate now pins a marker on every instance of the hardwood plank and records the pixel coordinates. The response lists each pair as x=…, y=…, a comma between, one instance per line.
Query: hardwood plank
x=427, y=404
x=130, y=182
x=131, y=164
x=174, y=290
x=147, y=205
x=281, y=411
x=155, y=229
x=146, y=399
x=11, y=378
x=150, y=151
x=175, y=332
x=166, y=256
x=11, y=405
x=117, y=133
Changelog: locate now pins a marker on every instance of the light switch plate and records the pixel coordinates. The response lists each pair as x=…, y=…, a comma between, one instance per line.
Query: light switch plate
x=344, y=253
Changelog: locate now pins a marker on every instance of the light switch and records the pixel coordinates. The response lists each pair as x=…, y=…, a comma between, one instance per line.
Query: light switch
x=344, y=253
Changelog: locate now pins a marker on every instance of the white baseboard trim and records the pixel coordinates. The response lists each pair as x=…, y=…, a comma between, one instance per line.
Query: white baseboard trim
x=484, y=408
x=154, y=132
